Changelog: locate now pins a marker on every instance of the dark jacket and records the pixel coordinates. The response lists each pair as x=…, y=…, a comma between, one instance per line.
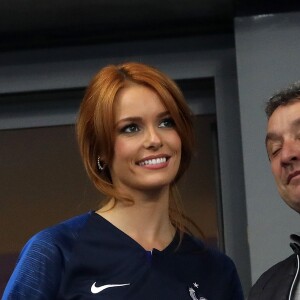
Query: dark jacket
x=278, y=283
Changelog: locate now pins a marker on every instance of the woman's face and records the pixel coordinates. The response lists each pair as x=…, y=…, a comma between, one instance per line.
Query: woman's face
x=147, y=148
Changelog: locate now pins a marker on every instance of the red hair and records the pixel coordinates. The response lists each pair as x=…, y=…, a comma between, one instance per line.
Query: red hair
x=95, y=124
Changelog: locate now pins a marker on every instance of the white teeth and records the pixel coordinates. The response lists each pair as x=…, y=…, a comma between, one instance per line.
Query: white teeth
x=154, y=161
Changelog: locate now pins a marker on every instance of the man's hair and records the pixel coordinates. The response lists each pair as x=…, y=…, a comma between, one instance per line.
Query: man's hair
x=283, y=97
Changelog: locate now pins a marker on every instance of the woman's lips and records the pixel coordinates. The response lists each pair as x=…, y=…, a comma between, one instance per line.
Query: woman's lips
x=153, y=161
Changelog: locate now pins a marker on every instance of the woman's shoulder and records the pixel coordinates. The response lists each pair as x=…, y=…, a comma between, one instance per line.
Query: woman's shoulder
x=215, y=267
x=210, y=254
x=39, y=267
x=64, y=231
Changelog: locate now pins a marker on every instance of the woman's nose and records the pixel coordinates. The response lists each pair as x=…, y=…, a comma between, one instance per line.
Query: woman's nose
x=152, y=138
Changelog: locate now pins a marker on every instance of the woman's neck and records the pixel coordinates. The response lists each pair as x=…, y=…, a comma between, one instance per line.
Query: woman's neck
x=146, y=220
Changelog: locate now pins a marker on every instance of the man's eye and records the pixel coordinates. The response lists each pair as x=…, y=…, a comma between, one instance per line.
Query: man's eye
x=130, y=128
x=274, y=152
x=167, y=123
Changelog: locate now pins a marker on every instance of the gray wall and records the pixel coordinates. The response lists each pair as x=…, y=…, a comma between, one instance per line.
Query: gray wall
x=268, y=58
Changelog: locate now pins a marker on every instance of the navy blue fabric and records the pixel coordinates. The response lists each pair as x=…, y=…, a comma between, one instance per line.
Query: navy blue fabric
x=65, y=261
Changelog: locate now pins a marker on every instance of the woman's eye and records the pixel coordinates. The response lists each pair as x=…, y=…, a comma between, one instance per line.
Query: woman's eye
x=167, y=123
x=130, y=128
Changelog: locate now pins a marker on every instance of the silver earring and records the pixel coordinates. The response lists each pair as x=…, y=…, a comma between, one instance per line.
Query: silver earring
x=100, y=164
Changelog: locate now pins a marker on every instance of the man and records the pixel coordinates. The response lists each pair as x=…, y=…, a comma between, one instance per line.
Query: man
x=283, y=147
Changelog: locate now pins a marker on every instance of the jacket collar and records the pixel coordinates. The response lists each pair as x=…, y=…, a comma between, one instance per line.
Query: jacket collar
x=295, y=244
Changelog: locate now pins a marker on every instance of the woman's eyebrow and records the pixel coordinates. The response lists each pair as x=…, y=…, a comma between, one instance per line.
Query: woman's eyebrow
x=164, y=114
x=138, y=119
x=131, y=119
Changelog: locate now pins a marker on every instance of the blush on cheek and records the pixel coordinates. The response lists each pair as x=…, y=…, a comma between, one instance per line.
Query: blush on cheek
x=120, y=148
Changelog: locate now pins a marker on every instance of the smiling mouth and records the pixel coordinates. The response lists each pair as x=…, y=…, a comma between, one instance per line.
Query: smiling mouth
x=153, y=161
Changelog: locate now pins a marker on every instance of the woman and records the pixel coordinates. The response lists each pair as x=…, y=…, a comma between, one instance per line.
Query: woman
x=136, y=140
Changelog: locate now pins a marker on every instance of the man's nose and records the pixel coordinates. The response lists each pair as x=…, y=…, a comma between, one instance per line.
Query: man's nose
x=290, y=151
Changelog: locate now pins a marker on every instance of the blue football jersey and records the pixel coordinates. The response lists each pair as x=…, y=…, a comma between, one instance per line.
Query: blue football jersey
x=88, y=258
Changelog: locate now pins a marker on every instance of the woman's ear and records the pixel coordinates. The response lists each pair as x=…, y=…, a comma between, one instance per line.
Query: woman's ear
x=101, y=163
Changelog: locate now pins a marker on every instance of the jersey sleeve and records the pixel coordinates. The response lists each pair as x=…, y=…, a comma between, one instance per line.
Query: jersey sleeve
x=38, y=270
x=236, y=287
x=226, y=281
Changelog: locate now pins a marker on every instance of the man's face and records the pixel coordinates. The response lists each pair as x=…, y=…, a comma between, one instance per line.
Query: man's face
x=283, y=147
